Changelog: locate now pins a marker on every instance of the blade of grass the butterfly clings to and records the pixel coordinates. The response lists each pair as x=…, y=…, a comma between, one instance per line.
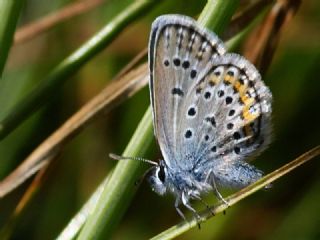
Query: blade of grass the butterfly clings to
x=243, y=193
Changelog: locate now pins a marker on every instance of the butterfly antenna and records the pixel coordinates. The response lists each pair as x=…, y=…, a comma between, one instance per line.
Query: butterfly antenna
x=117, y=157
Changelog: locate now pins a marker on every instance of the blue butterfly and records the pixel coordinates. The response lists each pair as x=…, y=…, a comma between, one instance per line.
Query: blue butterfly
x=211, y=112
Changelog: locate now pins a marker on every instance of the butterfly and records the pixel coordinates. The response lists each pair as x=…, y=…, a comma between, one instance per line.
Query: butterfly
x=211, y=113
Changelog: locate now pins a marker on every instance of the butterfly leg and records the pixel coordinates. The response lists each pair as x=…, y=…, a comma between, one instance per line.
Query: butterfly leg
x=176, y=205
x=185, y=201
x=204, y=203
x=218, y=194
x=211, y=177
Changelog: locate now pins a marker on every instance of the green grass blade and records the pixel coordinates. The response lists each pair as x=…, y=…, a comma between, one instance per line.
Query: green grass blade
x=9, y=12
x=74, y=226
x=217, y=14
x=120, y=189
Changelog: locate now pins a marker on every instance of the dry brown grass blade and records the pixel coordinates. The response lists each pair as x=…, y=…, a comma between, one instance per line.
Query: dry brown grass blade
x=7, y=228
x=265, y=38
x=108, y=98
x=35, y=28
x=132, y=63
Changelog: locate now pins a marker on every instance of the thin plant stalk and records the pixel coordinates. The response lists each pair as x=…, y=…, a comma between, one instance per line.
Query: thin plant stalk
x=120, y=188
x=9, y=12
x=44, y=24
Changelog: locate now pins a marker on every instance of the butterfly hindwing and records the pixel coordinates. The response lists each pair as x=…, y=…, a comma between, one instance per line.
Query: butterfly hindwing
x=226, y=115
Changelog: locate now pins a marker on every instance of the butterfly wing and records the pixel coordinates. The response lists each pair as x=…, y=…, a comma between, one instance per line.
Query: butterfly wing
x=227, y=114
x=178, y=49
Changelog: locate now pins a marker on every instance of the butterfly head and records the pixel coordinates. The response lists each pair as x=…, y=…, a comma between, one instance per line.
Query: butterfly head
x=158, y=178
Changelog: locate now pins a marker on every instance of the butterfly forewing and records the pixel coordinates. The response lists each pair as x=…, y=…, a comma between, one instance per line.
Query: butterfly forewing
x=180, y=55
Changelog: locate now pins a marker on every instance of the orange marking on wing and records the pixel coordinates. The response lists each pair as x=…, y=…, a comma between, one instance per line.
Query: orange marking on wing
x=237, y=85
x=229, y=79
x=214, y=80
x=240, y=88
x=246, y=100
x=247, y=115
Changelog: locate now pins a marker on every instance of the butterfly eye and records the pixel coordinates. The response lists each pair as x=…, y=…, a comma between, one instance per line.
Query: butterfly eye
x=161, y=174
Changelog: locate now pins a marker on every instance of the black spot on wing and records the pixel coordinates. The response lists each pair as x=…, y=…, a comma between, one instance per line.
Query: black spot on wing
x=230, y=73
x=166, y=62
x=188, y=134
x=236, y=135
x=217, y=73
x=220, y=93
x=192, y=111
x=237, y=150
x=213, y=149
x=186, y=64
x=211, y=120
x=231, y=112
x=177, y=91
x=176, y=62
x=229, y=100
x=230, y=126
x=207, y=95
x=193, y=73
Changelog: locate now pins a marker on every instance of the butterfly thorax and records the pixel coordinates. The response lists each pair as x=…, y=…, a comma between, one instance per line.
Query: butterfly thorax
x=178, y=181
x=190, y=182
